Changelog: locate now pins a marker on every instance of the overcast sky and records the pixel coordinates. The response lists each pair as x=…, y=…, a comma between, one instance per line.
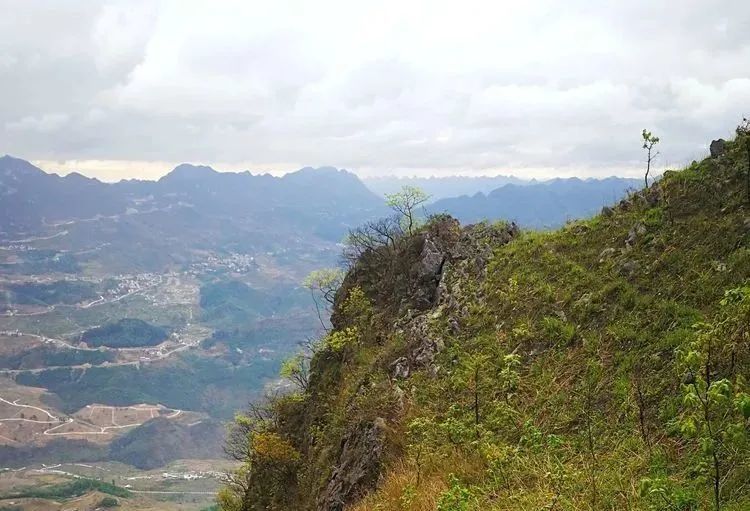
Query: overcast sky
x=536, y=89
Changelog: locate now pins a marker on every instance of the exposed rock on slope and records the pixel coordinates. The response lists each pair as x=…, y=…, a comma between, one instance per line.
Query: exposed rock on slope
x=394, y=292
x=358, y=468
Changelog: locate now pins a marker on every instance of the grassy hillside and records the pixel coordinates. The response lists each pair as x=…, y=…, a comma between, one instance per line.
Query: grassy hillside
x=600, y=366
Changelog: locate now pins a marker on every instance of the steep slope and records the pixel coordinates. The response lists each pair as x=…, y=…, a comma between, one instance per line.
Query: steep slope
x=539, y=205
x=601, y=366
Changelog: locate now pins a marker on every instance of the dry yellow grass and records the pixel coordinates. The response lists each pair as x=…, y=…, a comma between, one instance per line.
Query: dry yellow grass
x=400, y=491
x=391, y=494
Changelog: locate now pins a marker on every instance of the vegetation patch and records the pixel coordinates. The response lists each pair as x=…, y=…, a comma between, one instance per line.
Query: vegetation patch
x=66, y=292
x=125, y=333
x=67, y=490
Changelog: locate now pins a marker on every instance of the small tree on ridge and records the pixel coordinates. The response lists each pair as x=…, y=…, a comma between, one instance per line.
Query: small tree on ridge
x=649, y=141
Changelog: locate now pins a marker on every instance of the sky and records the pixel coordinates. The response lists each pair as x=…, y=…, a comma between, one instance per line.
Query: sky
x=120, y=89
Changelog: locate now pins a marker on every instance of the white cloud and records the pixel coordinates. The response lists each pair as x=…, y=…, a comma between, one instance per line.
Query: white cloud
x=120, y=32
x=410, y=87
x=46, y=123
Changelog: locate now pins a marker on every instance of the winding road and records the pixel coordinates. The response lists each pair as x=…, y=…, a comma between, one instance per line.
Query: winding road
x=103, y=430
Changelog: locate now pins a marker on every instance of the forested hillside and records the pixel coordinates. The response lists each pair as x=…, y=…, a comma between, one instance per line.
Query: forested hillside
x=600, y=366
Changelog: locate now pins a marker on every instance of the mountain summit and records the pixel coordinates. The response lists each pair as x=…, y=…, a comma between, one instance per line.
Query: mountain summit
x=16, y=167
x=188, y=172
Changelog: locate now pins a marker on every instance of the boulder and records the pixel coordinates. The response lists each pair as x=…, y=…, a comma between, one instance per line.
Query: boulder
x=717, y=147
x=400, y=368
x=635, y=232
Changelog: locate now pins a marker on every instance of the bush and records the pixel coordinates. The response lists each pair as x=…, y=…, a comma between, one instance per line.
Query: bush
x=108, y=502
x=337, y=341
x=455, y=498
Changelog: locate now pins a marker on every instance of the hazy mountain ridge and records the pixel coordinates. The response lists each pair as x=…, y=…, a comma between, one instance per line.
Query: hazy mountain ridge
x=34, y=199
x=443, y=187
x=326, y=201
x=539, y=205
x=31, y=198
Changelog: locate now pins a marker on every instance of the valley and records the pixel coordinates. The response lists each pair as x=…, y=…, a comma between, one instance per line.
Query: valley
x=134, y=328
x=123, y=351
x=185, y=484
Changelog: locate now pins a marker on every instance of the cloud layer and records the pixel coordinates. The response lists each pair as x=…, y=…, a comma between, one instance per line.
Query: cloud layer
x=419, y=87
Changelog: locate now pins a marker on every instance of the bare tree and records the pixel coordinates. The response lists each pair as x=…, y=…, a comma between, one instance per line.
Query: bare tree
x=372, y=237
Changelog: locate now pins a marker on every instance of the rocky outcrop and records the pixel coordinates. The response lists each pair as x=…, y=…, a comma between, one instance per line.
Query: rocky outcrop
x=358, y=467
x=422, y=345
x=415, y=283
x=465, y=256
x=717, y=147
x=428, y=270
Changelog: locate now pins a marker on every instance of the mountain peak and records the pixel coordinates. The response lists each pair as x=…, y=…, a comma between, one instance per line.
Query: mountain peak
x=189, y=172
x=309, y=174
x=11, y=165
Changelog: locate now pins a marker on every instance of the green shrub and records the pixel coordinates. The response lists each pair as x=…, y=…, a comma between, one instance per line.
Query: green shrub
x=456, y=498
x=108, y=502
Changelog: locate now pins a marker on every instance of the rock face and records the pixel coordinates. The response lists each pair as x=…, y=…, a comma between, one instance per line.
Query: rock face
x=467, y=252
x=358, y=466
x=428, y=272
x=435, y=265
x=717, y=148
x=423, y=346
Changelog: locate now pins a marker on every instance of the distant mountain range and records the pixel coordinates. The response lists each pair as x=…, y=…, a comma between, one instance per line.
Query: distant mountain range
x=197, y=206
x=443, y=187
x=151, y=225
x=538, y=205
x=324, y=199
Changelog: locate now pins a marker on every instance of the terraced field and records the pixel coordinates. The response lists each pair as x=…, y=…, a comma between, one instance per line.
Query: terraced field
x=26, y=420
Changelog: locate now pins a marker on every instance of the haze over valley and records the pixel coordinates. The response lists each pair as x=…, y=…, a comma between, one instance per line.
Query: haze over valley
x=137, y=313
